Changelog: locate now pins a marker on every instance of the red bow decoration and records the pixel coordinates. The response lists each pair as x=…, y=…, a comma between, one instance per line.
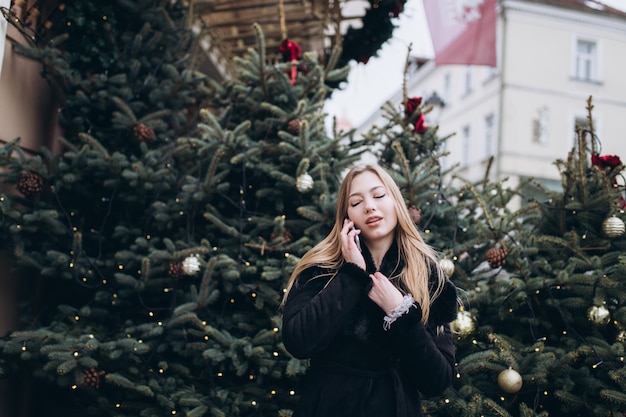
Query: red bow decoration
x=420, y=125
x=605, y=161
x=412, y=105
x=291, y=53
x=609, y=161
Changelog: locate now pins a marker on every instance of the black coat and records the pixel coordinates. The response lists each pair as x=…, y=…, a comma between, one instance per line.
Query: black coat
x=357, y=369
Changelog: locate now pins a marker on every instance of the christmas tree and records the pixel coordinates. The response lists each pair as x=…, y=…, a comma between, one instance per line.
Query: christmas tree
x=160, y=237
x=158, y=240
x=542, y=331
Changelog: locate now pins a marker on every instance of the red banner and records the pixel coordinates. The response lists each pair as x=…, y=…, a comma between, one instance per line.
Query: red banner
x=463, y=31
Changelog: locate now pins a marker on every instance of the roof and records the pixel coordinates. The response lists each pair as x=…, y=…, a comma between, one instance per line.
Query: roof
x=588, y=6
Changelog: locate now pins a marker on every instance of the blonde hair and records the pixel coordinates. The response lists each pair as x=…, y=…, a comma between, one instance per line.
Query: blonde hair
x=419, y=257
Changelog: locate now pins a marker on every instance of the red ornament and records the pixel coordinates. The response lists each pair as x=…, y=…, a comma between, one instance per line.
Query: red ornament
x=605, y=161
x=291, y=53
x=412, y=104
x=420, y=125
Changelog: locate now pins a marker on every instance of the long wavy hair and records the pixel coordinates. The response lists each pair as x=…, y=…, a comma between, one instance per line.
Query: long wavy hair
x=420, y=259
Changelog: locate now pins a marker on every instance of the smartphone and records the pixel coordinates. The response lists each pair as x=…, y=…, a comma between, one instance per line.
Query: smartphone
x=356, y=239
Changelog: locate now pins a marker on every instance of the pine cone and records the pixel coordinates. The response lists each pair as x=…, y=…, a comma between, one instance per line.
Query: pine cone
x=91, y=378
x=30, y=184
x=294, y=126
x=143, y=133
x=496, y=257
x=176, y=270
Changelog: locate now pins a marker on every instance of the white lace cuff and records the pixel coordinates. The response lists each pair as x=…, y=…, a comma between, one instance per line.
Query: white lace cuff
x=403, y=308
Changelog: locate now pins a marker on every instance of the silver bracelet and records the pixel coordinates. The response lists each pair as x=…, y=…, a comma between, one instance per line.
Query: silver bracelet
x=403, y=308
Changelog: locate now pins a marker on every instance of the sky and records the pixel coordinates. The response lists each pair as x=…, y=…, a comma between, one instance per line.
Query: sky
x=370, y=85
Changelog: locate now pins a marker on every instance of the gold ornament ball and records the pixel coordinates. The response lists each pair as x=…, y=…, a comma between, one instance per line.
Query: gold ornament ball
x=464, y=324
x=191, y=265
x=613, y=227
x=599, y=315
x=448, y=266
x=510, y=381
x=621, y=336
x=304, y=183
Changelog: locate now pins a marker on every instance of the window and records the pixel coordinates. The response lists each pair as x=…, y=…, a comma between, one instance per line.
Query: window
x=585, y=67
x=465, y=146
x=468, y=80
x=580, y=122
x=490, y=73
x=447, y=86
x=540, y=126
x=490, y=134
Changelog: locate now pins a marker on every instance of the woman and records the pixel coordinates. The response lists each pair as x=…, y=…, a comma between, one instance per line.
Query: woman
x=372, y=319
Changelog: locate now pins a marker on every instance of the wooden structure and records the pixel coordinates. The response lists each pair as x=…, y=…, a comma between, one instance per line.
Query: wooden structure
x=316, y=25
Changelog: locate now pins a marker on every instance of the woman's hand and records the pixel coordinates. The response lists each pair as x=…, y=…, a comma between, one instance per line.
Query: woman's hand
x=384, y=293
x=349, y=249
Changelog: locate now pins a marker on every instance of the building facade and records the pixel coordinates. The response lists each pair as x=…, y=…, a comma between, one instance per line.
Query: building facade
x=552, y=55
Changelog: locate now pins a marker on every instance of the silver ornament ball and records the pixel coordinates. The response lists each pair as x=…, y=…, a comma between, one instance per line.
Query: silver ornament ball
x=510, y=381
x=304, y=183
x=613, y=227
x=191, y=265
x=447, y=266
x=464, y=324
x=599, y=315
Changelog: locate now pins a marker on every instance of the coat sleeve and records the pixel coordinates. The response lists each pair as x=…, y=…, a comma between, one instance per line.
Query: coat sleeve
x=315, y=312
x=426, y=355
